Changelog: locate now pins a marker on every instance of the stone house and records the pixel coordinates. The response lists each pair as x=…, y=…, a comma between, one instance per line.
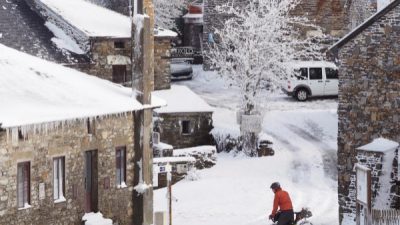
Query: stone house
x=104, y=37
x=186, y=121
x=101, y=34
x=368, y=94
x=73, y=153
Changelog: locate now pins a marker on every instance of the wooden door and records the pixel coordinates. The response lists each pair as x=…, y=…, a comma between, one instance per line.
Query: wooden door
x=91, y=181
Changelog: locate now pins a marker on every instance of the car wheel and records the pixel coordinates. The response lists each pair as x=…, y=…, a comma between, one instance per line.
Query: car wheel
x=302, y=94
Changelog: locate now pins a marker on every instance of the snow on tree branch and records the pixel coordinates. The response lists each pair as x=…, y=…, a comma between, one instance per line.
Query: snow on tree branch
x=166, y=11
x=257, y=43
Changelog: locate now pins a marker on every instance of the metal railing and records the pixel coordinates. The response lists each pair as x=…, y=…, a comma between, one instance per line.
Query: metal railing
x=385, y=217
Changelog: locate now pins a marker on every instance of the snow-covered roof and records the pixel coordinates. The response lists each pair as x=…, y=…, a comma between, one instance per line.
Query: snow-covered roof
x=313, y=64
x=173, y=159
x=161, y=32
x=181, y=99
x=356, y=31
x=205, y=149
x=93, y=20
x=380, y=145
x=163, y=146
x=34, y=91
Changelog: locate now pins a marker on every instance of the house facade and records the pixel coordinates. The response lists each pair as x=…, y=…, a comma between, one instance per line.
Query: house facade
x=186, y=121
x=57, y=177
x=368, y=100
x=76, y=150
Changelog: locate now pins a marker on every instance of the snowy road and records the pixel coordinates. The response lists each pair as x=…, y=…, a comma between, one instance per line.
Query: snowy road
x=235, y=191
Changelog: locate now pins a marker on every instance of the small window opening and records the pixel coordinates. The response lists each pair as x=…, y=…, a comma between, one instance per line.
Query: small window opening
x=119, y=44
x=186, y=127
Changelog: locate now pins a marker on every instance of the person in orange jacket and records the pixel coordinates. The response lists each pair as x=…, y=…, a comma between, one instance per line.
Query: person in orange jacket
x=284, y=203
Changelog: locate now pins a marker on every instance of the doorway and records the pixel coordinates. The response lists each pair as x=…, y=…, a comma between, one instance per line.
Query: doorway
x=91, y=181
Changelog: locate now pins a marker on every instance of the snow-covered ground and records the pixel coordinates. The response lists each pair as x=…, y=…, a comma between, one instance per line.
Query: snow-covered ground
x=236, y=191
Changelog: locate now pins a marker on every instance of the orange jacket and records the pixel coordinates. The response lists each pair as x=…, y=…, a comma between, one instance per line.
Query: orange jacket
x=281, y=200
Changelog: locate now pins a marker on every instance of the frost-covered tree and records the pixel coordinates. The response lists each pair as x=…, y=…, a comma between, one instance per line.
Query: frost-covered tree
x=254, y=49
x=166, y=11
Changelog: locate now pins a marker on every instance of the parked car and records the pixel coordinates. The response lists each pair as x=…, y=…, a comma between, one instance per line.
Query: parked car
x=181, y=70
x=312, y=78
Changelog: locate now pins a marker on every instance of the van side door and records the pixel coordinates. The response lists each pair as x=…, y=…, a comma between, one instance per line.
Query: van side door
x=316, y=81
x=332, y=81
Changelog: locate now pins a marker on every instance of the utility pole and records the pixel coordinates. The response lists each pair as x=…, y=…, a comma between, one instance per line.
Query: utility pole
x=169, y=184
x=142, y=54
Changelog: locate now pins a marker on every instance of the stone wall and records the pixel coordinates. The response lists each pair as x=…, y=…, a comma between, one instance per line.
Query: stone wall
x=369, y=90
x=170, y=128
x=162, y=63
x=104, y=55
x=71, y=142
x=330, y=15
x=375, y=161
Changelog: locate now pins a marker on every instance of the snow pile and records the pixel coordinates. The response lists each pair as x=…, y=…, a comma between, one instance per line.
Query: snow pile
x=95, y=219
x=50, y=92
x=181, y=99
x=62, y=40
x=380, y=145
x=165, y=160
x=93, y=20
x=163, y=146
x=193, y=175
x=205, y=149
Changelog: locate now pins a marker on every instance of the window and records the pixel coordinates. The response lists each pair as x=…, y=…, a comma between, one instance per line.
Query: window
x=302, y=74
x=119, y=74
x=331, y=73
x=24, y=184
x=186, y=127
x=119, y=44
x=59, y=179
x=90, y=126
x=120, y=157
x=315, y=73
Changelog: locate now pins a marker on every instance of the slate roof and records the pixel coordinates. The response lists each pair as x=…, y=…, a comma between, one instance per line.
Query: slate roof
x=364, y=25
x=24, y=30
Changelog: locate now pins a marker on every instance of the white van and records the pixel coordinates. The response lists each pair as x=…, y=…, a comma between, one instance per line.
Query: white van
x=312, y=78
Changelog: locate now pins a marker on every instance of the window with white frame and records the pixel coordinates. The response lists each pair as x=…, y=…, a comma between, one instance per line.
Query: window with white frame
x=120, y=156
x=59, y=179
x=24, y=184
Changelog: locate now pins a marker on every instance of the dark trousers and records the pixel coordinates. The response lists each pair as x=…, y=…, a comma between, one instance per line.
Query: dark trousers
x=286, y=218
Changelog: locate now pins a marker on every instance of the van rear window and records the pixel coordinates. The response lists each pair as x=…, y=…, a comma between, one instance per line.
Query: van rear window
x=331, y=73
x=301, y=74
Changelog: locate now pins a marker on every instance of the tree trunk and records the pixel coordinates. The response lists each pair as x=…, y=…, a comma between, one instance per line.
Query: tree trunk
x=248, y=135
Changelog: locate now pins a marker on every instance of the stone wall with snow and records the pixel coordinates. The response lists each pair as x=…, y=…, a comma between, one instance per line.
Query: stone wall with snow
x=71, y=141
x=375, y=161
x=200, y=126
x=108, y=61
x=368, y=93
